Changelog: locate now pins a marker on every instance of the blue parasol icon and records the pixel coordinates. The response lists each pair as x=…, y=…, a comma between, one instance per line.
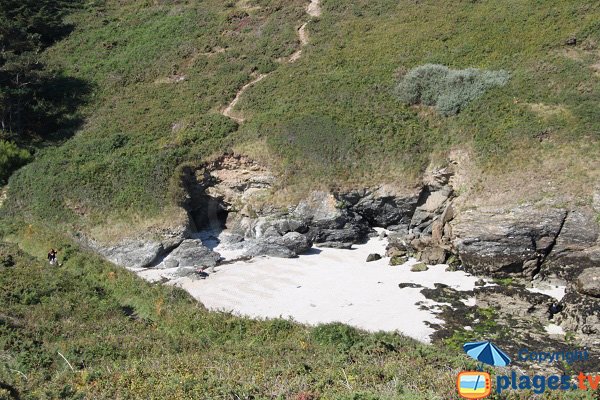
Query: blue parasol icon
x=487, y=352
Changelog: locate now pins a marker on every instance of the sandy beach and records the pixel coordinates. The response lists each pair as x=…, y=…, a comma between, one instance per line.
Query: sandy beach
x=326, y=285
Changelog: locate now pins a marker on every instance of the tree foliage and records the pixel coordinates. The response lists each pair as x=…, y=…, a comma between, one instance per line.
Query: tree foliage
x=27, y=27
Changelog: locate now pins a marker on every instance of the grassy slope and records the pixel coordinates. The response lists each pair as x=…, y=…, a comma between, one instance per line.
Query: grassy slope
x=349, y=72
x=331, y=117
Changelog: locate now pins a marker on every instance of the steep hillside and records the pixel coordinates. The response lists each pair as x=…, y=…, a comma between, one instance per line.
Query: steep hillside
x=163, y=72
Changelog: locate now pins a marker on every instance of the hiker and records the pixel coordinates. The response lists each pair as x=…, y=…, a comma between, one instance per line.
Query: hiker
x=52, y=256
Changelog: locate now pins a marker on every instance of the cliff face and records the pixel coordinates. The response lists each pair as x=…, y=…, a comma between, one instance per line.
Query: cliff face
x=541, y=243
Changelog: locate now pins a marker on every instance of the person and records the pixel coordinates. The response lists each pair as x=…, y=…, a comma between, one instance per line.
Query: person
x=52, y=256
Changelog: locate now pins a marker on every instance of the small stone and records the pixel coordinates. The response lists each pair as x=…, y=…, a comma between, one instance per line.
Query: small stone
x=398, y=260
x=420, y=267
x=394, y=251
x=373, y=257
x=480, y=282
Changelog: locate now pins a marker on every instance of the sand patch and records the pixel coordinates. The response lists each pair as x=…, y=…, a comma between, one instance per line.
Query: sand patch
x=326, y=285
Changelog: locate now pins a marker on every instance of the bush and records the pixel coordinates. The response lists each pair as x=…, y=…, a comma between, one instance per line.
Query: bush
x=11, y=158
x=447, y=89
x=336, y=334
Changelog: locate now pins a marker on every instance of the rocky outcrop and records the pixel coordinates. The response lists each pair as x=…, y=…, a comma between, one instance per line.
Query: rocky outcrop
x=382, y=207
x=581, y=306
x=132, y=254
x=576, y=247
x=499, y=242
x=581, y=314
x=515, y=302
x=191, y=253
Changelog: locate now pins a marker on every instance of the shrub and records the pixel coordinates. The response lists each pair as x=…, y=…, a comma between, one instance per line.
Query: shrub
x=336, y=334
x=11, y=158
x=448, y=90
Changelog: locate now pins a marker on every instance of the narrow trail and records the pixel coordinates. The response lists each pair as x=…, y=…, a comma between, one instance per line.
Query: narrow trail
x=313, y=10
x=228, y=112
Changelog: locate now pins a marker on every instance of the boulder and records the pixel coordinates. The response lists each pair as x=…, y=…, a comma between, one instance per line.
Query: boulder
x=373, y=257
x=263, y=248
x=419, y=267
x=133, y=254
x=191, y=253
x=433, y=255
x=431, y=204
x=398, y=260
x=588, y=282
x=382, y=207
x=498, y=242
x=296, y=242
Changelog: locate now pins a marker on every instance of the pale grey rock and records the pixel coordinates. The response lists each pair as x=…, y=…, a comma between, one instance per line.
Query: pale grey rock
x=191, y=253
x=588, y=282
x=132, y=254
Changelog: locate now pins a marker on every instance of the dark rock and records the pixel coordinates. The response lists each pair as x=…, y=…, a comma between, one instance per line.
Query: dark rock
x=480, y=282
x=191, y=253
x=373, y=257
x=291, y=225
x=580, y=314
x=499, y=242
x=409, y=285
x=576, y=247
x=382, y=207
x=588, y=282
x=515, y=301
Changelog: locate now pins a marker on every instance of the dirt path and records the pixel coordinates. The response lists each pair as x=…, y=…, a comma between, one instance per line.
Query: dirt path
x=228, y=112
x=314, y=10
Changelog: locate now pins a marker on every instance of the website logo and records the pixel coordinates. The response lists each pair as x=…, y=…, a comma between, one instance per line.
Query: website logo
x=478, y=385
x=474, y=385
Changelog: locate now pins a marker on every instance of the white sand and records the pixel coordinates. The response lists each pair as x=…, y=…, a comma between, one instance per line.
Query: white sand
x=323, y=286
x=554, y=329
x=557, y=292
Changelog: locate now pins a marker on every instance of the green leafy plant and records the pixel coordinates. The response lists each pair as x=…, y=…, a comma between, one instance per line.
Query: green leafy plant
x=448, y=90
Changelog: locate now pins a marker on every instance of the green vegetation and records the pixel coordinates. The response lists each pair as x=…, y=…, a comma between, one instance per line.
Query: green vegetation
x=161, y=72
x=11, y=158
x=36, y=102
x=448, y=90
x=125, y=338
